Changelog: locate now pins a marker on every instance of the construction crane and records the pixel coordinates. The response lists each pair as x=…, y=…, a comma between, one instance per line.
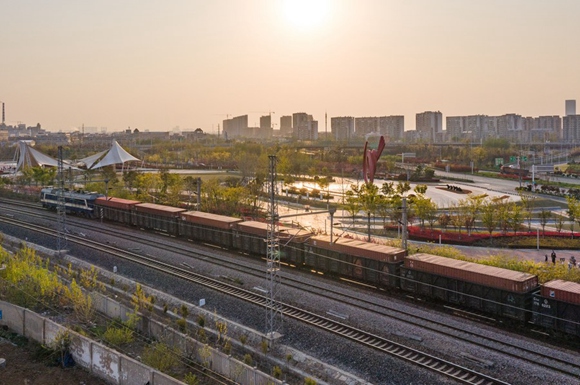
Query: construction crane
x=227, y=118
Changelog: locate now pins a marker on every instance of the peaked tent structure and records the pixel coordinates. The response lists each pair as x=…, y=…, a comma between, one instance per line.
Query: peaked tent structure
x=115, y=155
x=29, y=157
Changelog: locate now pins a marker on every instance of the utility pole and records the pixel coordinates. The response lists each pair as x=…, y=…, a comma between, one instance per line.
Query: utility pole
x=61, y=207
x=404, y=224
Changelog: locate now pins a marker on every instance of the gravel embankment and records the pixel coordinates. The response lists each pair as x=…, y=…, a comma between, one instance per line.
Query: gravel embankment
x=374, y=367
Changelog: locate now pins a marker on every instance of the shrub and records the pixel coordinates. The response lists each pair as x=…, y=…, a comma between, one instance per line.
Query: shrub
x=181, y=324
x=118, y=336
x=191, y=379
x=160, y=356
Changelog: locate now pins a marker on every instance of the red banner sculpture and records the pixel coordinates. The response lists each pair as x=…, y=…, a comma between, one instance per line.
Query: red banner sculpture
x=370, y=160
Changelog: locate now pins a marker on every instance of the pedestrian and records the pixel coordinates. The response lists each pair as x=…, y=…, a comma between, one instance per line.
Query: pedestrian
x=546, y=258
x=553, y=257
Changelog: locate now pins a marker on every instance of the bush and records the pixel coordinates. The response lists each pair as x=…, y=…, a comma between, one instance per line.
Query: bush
x=160, y=356
x=118, y=336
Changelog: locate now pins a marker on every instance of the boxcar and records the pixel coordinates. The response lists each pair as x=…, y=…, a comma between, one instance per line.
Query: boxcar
x=502, y=292
x=207, y=227
x=369, y=262
x=251, y=236
x=557, y=307
x=116, y=209
x=158, y=217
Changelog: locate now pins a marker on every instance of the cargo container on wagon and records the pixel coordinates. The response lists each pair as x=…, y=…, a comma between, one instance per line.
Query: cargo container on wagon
x=557, y=307
x=251, y=236
x=370, y=262
x=158, y=217
x=206, y=227
x=501, y=292
x=116, y=209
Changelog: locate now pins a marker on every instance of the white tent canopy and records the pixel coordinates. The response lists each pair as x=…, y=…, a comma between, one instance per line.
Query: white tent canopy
x=115, y=155
x=29, y=157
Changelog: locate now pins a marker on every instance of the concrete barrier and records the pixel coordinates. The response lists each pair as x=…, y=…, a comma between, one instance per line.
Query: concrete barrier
x=98, y=359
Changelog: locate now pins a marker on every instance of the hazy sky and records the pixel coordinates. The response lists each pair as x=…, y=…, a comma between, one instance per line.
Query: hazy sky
x=155, y=65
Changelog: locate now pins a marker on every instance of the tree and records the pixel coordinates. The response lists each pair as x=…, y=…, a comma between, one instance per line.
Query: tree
x=352, y=202
x=516, y=217
x=489, y=216
x=528, y=203
x=544, y=218
x=573, y=212
x=425, y=209
x=369, y=196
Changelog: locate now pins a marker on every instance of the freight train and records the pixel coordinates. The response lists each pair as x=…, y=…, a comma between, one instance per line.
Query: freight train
x=503, y=293
x=75, y=202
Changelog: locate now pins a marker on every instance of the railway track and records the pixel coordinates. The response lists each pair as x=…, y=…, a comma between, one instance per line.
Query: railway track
x=459, y=373
x=382, y=344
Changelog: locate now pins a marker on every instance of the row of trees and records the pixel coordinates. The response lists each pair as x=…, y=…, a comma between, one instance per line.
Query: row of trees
x=491, y=214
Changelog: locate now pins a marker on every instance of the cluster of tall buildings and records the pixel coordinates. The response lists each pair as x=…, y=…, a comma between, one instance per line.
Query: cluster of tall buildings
x=428, y=127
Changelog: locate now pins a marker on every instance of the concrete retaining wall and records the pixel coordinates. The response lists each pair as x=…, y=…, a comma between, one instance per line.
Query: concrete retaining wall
x=118, y=369
x=100, y=360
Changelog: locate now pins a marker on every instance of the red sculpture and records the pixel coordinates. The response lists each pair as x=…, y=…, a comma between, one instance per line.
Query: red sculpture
x=370, y=160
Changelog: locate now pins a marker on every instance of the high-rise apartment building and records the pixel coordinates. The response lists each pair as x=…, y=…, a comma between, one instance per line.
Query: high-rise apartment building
x=266, y=122
x=286, y=125
x=392, y=127
x=571, y=128
x=429, y=126
x=236, y=127
x=342, y=127
x=304, y=127
x=366, y=125
x=570, y=107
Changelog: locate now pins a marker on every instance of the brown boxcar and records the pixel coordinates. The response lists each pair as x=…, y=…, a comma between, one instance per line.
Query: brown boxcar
x=365, y=261
x=557, y=307
x=251, y=236
x=560, y=290
x=158, y=217
x=491, y=276
x=206, y=227
x=116, y=209
x=501, y=292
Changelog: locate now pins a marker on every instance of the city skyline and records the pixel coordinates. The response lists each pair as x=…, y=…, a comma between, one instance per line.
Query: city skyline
x=154, y=66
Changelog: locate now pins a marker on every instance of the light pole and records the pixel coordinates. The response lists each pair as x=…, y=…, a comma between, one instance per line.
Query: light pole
x=106, y=189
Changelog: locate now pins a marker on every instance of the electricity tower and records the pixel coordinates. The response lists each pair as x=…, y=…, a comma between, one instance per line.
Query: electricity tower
x=273, y=310
x=61, y=207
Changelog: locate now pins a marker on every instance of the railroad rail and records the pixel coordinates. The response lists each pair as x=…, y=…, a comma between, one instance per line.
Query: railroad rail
x=459, y=373
x=497, y=344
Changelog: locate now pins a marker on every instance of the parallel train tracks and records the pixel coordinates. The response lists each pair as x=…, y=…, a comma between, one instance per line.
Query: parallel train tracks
x=444, y=367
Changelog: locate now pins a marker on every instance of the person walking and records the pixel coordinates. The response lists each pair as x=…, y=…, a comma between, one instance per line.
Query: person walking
x=553, y=257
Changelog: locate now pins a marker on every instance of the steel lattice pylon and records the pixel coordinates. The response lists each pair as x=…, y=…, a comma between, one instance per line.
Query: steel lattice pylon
x=273, y=310
x=61, y=207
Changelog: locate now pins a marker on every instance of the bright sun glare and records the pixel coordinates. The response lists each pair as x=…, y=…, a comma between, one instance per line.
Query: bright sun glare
x=306, y=13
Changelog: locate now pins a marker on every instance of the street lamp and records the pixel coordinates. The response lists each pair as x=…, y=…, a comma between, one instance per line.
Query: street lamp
x=331, y=210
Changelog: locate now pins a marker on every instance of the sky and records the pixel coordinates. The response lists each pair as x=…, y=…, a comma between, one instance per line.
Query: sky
x=156, y=65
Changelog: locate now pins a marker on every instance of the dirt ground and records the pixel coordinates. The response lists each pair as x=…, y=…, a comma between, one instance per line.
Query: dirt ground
x=22, y=368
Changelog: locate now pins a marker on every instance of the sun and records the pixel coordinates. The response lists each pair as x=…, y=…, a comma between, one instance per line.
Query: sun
x=306, y=13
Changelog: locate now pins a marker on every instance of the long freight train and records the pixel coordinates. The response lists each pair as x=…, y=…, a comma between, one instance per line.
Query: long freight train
x=506, y=294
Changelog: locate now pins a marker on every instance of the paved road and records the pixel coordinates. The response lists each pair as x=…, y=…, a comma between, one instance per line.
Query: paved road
x=477, y=184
